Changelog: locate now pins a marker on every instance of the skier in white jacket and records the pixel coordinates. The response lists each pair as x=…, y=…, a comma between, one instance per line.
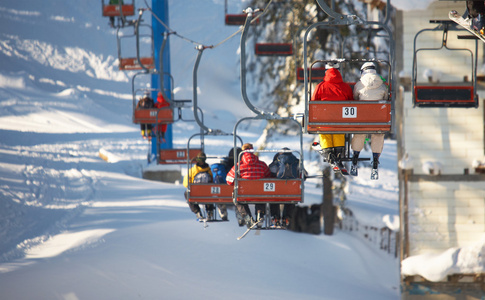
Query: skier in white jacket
x=370, y=87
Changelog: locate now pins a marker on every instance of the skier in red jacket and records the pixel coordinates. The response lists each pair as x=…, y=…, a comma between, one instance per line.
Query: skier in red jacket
x=161, y=102
x=332, y=88
x=250, y=167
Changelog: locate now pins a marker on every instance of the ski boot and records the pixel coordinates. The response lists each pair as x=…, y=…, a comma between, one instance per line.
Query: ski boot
x=275, y=222
x=200, y=218
x=210, y=215
x=260, y=219
x=240, y=220
x=222, y=211
x=339, y=154
x=374, y=174
x=249, y=221
x=355, y=161
x=478, y=24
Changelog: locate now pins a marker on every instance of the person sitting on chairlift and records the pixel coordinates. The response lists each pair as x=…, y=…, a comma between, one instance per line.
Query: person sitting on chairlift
x=112, y=19
x=333, y=88
x=250, y=167
x=285, y=165
x=193, y=175
x=146, y=102
x=370, y=87
x=161, y=128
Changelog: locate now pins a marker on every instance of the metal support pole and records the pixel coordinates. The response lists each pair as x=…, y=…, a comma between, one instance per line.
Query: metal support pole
x=162, y=58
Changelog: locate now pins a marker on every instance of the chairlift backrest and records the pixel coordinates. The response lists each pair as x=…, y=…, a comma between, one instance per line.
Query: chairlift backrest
x=237, y=19
x=274, y=49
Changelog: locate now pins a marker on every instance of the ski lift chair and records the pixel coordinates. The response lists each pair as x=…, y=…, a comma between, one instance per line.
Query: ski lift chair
x=329, y=117
x=118, y=10
x=348, y=117
x=444, y=94
x=178, y=155
x=269, y=190
x=208, y=193
x=136, y=62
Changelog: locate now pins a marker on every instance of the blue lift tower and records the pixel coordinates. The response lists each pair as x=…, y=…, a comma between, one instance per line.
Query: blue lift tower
x=160, y=10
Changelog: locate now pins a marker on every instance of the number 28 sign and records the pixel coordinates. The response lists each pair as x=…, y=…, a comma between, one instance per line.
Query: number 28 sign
x=349, y=112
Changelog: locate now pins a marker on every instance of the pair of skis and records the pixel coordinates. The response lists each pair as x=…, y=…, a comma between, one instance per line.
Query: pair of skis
x=465, y=23
x=339, y=167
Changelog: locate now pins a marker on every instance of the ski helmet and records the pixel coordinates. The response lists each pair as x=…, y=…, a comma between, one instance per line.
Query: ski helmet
x=368, y=67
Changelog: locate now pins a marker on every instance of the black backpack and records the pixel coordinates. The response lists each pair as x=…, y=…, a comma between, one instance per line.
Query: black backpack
x=288, y=166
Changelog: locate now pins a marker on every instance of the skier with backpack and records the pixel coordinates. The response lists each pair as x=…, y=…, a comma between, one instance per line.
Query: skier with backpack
x=285, y=165
x=199, y=173
x=250, y=167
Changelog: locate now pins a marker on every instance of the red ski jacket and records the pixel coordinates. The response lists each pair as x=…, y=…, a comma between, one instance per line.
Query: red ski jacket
x=333, y=87
x=250, y=167
x=161, y=102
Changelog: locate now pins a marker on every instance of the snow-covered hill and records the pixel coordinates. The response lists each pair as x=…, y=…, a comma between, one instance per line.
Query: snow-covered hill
x=73, y=226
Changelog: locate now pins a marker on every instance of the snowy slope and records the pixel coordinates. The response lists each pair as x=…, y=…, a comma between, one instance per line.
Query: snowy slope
x=73, y=226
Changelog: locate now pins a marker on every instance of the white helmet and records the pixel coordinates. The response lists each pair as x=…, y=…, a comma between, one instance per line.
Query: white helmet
x=368, y=67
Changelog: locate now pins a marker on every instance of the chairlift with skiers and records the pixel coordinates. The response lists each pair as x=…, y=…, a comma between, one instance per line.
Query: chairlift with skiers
x=265, y=190
x=215, y=193
x=348, y=117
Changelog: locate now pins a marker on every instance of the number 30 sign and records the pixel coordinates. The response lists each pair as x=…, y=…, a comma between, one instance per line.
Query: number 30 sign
x=349, y=112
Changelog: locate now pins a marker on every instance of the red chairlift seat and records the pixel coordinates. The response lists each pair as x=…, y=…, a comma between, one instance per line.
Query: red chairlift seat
x=349, y=117
x=113, y=10
x=128, y=64
x=237, y=19
x=269, y=190
x=176, y=156
x=153, y=116
x=210, y=193
x=444, y=96
x=317, y=75
x=274, y=49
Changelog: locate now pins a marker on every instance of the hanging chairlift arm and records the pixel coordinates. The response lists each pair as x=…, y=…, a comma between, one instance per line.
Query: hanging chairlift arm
x=162, y=74
x=244, y=34
x=137, y=33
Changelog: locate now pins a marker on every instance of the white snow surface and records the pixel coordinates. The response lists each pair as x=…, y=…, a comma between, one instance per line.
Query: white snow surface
x=74, y=226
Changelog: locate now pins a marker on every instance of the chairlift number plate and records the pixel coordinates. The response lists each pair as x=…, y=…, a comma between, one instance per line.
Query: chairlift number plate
x=180, y=154
x=215, y=189
x=153, y=113
x=269, y=187
x=349, y=112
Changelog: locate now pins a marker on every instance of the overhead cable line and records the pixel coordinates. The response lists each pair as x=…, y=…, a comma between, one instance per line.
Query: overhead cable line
x=171, y=31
